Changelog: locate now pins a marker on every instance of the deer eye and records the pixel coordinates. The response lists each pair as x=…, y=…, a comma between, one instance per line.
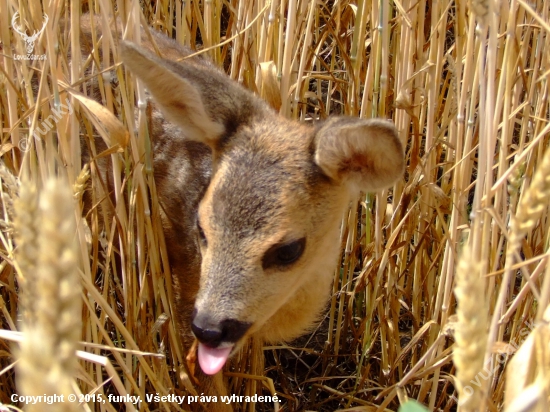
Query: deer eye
x=283, y=255
x=202, y=236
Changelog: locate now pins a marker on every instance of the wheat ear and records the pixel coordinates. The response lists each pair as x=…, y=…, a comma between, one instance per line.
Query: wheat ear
x=47, y=360
x=471, y=329
x=26, y=224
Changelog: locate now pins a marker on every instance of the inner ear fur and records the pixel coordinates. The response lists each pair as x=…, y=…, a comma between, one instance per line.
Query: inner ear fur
x=177, y=98
x=365, y=154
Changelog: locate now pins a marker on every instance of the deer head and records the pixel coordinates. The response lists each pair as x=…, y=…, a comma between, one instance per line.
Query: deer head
x=29, y=40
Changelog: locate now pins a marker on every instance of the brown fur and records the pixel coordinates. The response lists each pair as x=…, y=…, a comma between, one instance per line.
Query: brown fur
x=254, y=182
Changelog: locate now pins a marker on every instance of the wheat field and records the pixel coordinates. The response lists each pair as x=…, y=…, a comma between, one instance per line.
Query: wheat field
x=442, y=292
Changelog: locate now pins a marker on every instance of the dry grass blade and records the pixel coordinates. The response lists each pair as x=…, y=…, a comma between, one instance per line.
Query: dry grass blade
x=528, y=381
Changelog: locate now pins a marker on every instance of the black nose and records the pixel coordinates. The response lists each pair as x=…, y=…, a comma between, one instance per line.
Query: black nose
x=212, y=333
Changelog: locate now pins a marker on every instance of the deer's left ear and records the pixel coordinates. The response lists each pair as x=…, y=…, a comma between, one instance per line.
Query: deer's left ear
x=364, y=154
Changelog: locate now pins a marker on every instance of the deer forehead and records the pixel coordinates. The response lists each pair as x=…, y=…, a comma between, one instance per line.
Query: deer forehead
x=264, y=183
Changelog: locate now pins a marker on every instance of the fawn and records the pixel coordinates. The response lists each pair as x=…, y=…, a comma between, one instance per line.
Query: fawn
x=251, y=202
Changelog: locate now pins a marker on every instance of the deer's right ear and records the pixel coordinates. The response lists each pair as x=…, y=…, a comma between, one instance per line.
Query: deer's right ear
x=177, y=98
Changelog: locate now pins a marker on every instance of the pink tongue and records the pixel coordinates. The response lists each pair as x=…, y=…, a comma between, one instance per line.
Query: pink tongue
x=212, y=360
